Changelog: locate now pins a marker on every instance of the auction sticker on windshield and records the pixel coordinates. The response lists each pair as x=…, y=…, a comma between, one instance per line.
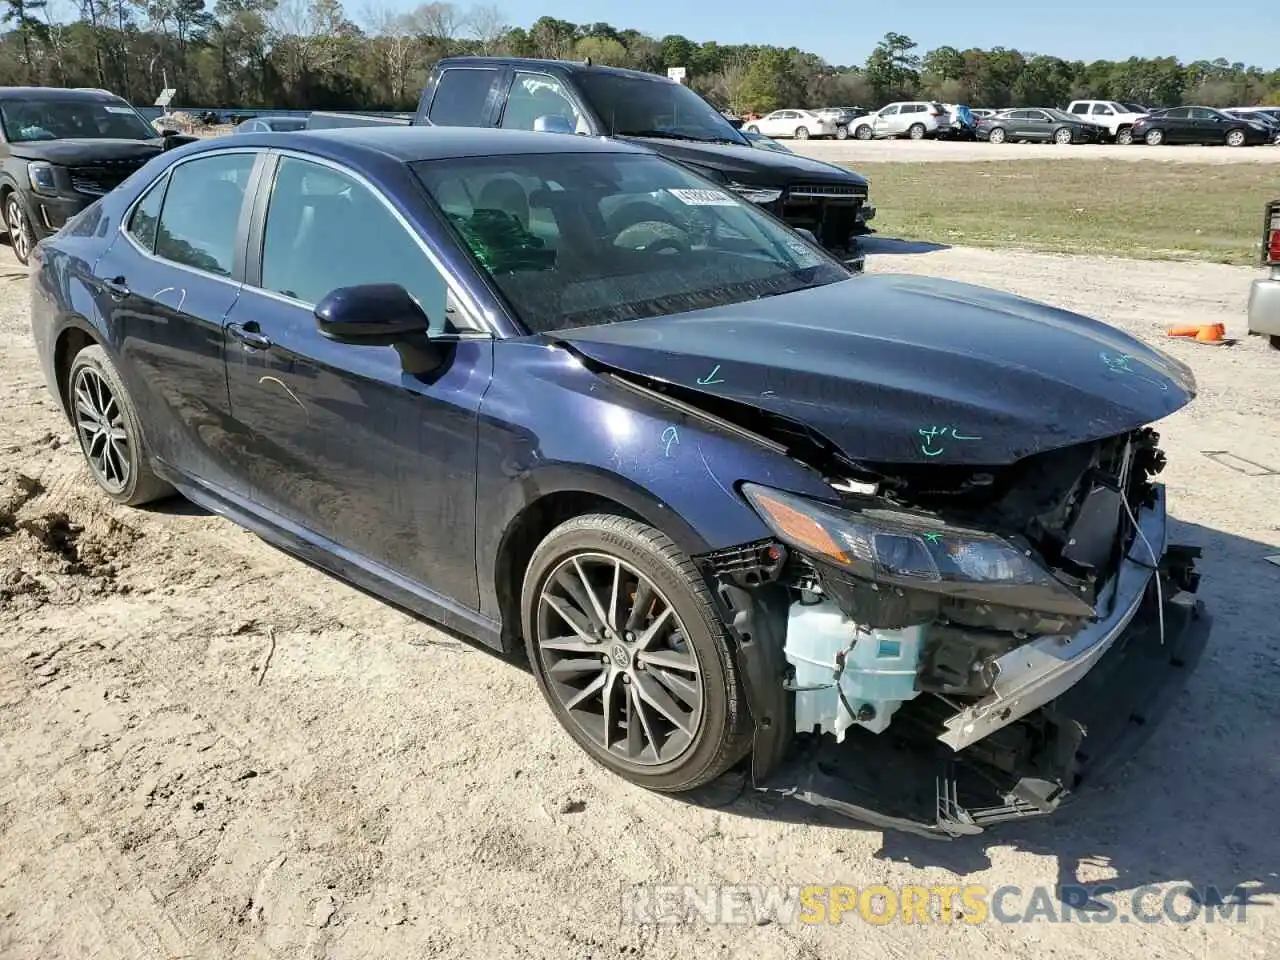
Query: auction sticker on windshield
x=704, y=198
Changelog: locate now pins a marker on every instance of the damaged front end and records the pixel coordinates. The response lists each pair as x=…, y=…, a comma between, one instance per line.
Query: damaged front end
x=975, y=640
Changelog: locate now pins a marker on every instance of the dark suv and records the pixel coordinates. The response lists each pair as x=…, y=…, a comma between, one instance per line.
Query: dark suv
x=565, y=97
x=60, y=150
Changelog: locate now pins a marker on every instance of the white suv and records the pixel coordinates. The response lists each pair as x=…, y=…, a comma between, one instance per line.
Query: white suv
x=1116, y=117
x=916, y=119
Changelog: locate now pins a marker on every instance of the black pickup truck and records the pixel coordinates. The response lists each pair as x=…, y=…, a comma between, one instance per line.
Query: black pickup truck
x=667, y=117
x=60, y=150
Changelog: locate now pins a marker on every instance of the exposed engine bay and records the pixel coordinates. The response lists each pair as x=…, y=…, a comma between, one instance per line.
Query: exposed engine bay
x=952, y=611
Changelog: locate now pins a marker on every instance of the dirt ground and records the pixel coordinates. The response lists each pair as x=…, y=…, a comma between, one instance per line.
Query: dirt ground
x=208, y=749
x=942, y=151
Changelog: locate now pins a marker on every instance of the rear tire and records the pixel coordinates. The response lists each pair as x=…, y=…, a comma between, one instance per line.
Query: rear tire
x=996, y=135
x=842, y=132
x=677, y=694
x=109, y=430
x=916, y=131
x=802, y=133
x=753, y=129
x=1154, y=138
x=1274, y=340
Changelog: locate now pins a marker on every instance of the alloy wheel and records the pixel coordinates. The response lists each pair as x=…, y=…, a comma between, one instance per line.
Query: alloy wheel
x=100, y=423
x=1063, y=136
x=1154, y=138
x=1235, y=138
x=863, y=133
x=19, y=232
x=802, y=133
x=617, y=658
x=996, y=135
x=1124, y=137
x=916, y=132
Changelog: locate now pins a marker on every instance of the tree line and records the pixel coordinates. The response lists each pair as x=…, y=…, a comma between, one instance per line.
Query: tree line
x=315, y=54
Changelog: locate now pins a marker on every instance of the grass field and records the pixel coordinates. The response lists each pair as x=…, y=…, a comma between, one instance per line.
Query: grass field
x=1148, y=210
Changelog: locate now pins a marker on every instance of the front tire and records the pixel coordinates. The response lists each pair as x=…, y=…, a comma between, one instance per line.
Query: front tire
x=863, y=132
x=1154, y=138
x=631, y=655
x=842, y=132
x=1124, y=137
x=109, y=430
x=22, y=237
x=916, y=132
x=1063, y=137
x=1236, y=138
x=996, y=135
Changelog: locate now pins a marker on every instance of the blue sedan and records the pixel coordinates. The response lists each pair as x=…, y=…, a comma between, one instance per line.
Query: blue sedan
x=569, y=398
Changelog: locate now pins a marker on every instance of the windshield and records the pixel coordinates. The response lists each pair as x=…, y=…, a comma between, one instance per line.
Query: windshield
x=632, y=106
x=27, y=120
x=1057, y=114
x=573, y=240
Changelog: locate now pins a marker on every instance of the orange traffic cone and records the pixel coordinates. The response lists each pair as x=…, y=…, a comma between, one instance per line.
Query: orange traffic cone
x=1211, y=333
x=1185, y=330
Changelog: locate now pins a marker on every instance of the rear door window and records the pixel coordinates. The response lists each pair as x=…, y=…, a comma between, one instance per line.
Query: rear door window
x=201, y=215
x=461, y=96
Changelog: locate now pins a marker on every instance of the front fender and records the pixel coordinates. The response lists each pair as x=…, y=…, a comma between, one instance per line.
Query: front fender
x=550, y=425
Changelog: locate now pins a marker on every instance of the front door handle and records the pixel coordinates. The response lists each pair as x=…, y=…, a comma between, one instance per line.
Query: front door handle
x=118, y=287
x=249, y=335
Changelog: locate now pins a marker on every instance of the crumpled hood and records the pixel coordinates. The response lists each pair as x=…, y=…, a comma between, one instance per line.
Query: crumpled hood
x=903, y=369
x=751, y=164
x=87, y=151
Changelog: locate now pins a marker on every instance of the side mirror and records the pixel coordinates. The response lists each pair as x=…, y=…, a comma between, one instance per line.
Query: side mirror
x=376, y=314
x=166, y=132
x=552, y=123
x=807, y=234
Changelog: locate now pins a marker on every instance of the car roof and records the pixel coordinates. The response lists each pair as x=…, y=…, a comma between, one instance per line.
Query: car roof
x=407, y=144
x=535, y=63
x=59, y=93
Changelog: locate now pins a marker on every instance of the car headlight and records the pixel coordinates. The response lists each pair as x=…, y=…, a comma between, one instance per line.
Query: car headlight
x=41, y=176
x=915, y=551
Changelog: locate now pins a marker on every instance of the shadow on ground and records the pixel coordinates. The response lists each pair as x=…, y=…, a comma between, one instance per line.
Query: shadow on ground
x=875, y=246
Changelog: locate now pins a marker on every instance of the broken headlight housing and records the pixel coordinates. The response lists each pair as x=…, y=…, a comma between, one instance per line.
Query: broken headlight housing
x=917, y=552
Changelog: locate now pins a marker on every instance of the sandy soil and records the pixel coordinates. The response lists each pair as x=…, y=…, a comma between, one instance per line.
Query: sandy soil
x=941, y=151
x=208, y=749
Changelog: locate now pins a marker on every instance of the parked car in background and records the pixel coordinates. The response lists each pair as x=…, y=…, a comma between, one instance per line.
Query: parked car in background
x=60, y=150
x=797, y=124
x=570, y=97
x=1264, y=294
x=1135, y=107
x=1272, y=123
x=916, y=119
x=270, y=125
x=1040, y=125
x=961, y=123
x=1203, y=125
x=1118, y=118
x=765, y=143
x=843, y=117
x=715, y=488
x=983, y=111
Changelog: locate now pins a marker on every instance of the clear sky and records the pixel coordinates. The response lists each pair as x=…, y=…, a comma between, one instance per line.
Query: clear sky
x=844, y=31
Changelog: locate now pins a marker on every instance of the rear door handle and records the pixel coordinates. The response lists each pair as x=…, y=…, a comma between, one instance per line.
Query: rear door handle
x=118, y=287
x=249, y=335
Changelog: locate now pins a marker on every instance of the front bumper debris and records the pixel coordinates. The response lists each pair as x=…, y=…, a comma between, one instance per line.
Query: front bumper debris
x=1092, y=728
x=1036, y=673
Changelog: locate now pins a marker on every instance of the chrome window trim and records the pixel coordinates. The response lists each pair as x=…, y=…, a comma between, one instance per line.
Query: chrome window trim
x=128, y=214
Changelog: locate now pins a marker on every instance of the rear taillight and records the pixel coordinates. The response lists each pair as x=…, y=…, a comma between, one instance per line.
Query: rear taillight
x=1271, y=242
